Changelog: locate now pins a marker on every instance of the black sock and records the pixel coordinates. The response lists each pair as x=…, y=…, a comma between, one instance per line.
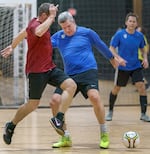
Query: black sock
x=143, y=102
x=112, y=99
x=60, y=116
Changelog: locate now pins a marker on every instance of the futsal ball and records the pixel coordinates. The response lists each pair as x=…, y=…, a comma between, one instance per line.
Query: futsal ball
x=131, y=139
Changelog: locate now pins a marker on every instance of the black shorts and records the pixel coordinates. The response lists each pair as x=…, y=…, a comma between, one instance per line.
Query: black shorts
x=85, y=81
x=38, y=81
x=122, y=77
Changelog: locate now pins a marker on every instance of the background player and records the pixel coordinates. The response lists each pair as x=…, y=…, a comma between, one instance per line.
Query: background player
x=128, y=41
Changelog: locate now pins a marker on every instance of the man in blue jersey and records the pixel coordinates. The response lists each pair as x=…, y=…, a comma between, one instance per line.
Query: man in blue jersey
x=128, y=41
x=75, y=45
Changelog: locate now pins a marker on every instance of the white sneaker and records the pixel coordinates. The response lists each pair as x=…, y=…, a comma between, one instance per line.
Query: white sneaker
x=145, y=117
x=109, y=116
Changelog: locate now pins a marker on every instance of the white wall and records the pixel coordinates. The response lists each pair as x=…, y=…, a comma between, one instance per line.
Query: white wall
x=15, y=2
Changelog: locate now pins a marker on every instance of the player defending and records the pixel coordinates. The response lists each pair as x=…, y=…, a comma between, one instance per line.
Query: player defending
x=40, y=69
x=87, y=74
x=128, y=41
x=75, y=45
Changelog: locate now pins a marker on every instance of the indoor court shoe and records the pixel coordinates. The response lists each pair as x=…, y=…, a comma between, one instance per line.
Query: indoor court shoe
x=8, y=133
x=64, y=142
x=145, y=118
x=104, y=141
x=58, y=125
x=109, y=116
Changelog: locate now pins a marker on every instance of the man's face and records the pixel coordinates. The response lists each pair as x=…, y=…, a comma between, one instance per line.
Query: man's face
x=43, y=17
x=69, y=27
x=131, y=23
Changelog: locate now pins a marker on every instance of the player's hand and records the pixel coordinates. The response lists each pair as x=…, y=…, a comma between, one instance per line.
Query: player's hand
x=114, y=62
x=145, y=63
x=120, y=60
x=53, y=10
x=117, y=60
x=7, y=51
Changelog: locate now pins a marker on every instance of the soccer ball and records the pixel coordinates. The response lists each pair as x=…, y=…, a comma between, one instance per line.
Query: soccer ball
x=131, y=139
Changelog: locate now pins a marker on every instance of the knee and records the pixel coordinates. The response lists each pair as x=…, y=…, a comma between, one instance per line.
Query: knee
x=72, y=85
x=116, y=90
x=55, y=101
x=69, y=85
x=33, y=104
x=141, y=88
x=94, y=99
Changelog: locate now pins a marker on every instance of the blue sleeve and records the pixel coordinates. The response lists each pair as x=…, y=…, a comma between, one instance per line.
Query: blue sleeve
x=54, y=40
x=100, y=45
x=115, y=40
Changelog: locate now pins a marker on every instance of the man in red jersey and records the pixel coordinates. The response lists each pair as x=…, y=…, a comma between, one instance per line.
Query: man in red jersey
x=40, y=69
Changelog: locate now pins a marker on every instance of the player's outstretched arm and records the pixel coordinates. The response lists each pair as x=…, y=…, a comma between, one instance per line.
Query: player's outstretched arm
x=119, y=59
x=9, y=49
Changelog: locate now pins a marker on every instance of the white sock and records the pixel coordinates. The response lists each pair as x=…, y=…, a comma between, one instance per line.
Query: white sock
x=66, y=133
x=103, y=128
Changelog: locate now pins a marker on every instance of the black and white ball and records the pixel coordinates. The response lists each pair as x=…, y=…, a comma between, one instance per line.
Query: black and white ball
x=131, y=139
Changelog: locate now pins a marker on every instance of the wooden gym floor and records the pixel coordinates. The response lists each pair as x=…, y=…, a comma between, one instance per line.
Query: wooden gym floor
x=34, y=135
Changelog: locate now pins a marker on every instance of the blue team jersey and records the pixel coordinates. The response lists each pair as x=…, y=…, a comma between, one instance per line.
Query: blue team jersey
x=76, y=50
x=128, y=45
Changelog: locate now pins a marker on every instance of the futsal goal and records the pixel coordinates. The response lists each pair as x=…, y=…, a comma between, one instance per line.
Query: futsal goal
x=13, y=17
x=104, y=19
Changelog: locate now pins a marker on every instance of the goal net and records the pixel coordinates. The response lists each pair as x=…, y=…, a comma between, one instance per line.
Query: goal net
x=13, y=89
x=103, y=16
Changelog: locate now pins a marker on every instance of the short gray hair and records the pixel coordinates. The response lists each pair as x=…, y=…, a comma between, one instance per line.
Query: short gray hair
x=64, y=16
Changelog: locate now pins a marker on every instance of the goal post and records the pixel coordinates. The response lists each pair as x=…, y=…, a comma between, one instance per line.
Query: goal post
x=13, y=83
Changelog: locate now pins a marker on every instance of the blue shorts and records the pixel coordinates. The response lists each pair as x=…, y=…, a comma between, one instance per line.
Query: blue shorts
x=85, y=81
x=38, y=81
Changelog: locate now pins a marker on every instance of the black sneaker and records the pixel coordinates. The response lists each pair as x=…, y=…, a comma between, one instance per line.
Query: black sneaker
x=58, y=125
x=8, y=133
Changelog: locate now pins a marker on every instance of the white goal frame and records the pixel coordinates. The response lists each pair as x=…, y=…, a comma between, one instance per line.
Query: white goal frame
x=23, y=11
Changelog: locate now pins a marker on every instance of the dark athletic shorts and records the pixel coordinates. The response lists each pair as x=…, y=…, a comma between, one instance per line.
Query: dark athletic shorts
x=122, y=77
x=38, y=81
x=85, y=81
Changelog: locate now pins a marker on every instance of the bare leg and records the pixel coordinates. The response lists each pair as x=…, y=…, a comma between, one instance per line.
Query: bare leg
x=98, y=106
x=69, y=88
x=24, y=110
x=65, y=140
x=21, y=113
x=99, y=110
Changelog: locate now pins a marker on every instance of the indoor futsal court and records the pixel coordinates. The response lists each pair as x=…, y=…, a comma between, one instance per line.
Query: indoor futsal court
x=34, y=134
